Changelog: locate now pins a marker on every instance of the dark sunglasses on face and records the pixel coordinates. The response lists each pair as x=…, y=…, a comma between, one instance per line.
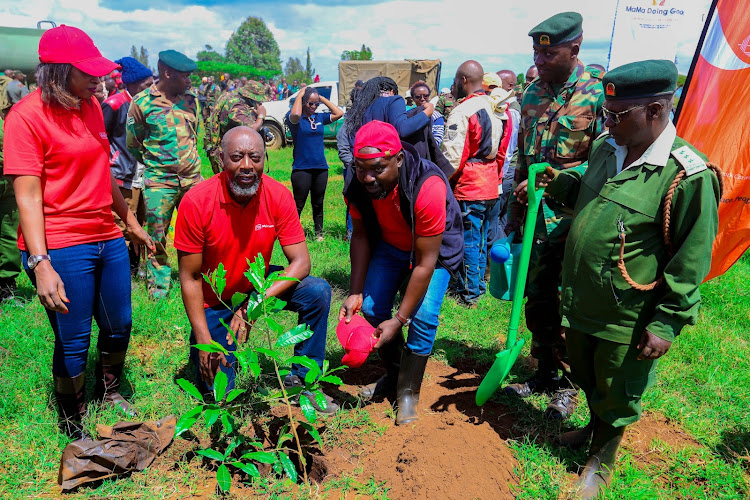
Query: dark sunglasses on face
x=420, y=97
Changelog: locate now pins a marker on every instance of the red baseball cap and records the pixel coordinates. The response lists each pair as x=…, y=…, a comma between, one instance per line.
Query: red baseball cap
x=356, y=339
x=380, y=135
x=66, y=44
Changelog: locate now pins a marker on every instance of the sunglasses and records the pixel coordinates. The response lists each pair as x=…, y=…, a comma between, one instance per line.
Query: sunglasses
x=617, y=116
x=420, y=97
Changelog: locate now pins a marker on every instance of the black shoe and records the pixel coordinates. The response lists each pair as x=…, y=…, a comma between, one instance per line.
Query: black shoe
x=562, y=404
x=71, y=404
x=597, y=474
x=542, y=382
x=409, y=386
x=331, y=407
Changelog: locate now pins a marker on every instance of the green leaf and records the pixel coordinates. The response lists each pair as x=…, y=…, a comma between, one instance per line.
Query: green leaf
x=263, y=457
x=234, y=444
x=269, y=353
x=211, y=415
x=220, y=386
x=212, y=347
x=238, y=298
x=224, y=478
x=312, y=375
x=283, y=439
x=277, y=276
x=254, y=307
x=188, y=387
x=288, y=466
x=227, y=421
x=225, y=325
x=212, y=454
x=302, y=360
x=188, y=419
x=307, y=408
x=278, y=468
x=331, y=379
x=255, y=276
x=249, y=469
x=274, y=305
x=338, y=368
x=320, y=399
x=234, y=394
x=283, y=373
x=312, y=431
x=296, y=335
x=217, y=279
x=274, y=326
x=256, y=444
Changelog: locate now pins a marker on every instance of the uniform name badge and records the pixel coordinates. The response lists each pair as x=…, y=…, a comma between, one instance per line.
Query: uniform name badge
x=691, y=162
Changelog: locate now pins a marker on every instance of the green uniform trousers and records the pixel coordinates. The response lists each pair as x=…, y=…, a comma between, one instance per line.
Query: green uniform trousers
x=610, y=374
x=160, y=203
x=542, y=288
x=10, y=256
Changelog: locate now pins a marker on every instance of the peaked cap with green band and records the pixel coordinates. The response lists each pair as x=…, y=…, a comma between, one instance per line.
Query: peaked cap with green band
x=558, y=29
x=253, y=90
x=177, y=61
x=651, y=78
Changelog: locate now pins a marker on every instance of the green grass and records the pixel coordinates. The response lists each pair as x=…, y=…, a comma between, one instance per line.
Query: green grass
x=704, y=386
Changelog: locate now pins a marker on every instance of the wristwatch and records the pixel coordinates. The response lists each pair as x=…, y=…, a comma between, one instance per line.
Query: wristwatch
x=34, y=260
x=261, y=117
x=404, y=322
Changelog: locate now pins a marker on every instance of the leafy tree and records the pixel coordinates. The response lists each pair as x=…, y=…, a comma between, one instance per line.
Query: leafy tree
x=140, y=55
x=209, y=54
x=253, y=44
x=363, y=54
x=295, y=71
x=309, y=70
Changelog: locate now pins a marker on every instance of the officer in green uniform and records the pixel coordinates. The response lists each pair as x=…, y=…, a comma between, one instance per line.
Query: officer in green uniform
x=10, y=256
x=626, y=294
x=162, y=133
x=240, y=107
x=560, y=118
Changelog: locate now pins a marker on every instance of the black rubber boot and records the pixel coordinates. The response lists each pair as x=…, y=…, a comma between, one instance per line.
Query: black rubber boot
x=390, y=355
x=70, y=396
x=579, y=437
x=409, y=385
x=597, y=474
x=108, y=375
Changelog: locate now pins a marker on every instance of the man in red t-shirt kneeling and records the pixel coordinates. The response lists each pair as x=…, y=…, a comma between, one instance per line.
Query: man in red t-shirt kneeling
x=230, y=218
x=407, y=224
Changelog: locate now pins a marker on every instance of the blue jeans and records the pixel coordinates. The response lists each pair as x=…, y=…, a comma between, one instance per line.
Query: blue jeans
x=493, y=229
x=310, y=298
x=388, y=269
x=477, y=217
x=96, y=277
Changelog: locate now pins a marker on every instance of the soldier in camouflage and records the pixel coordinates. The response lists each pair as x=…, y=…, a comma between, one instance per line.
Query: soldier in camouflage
x=162, y=133
x=238, y=107
x=10, y=257
x=445, y=104
x=560, y=118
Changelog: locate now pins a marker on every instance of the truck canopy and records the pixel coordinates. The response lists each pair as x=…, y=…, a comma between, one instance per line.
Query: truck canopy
x=404, y=73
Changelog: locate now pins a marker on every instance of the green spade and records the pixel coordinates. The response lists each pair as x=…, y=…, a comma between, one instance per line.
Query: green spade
x=505, y=359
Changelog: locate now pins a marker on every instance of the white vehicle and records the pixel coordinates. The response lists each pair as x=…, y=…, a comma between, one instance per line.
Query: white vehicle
x=277, y=110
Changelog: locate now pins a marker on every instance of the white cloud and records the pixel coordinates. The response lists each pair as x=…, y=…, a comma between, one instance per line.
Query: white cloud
x=495, y=33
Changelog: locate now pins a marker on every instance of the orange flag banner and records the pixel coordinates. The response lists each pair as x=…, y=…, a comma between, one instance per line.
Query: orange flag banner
x=714, y=116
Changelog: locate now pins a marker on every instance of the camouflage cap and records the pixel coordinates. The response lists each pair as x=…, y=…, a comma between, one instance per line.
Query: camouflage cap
x=558, y=29
x=177, y=61
x=253, y=90
x=635, y=80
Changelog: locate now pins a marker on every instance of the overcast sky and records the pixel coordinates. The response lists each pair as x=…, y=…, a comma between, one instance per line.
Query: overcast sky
x=495, y=35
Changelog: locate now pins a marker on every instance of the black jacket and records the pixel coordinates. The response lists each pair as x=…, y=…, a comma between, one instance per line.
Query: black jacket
x=426, y=146
x=123, y=165
x=412, y=175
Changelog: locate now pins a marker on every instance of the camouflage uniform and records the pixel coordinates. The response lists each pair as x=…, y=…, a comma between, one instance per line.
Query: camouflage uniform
x=232, y=109
x=558, y=128
x=445, y=104
x=208, y=93
x=164, y=137
x=10, y=257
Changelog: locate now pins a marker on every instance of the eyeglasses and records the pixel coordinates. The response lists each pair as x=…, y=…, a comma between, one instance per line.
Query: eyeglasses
x=420, y=97
x=617, y=116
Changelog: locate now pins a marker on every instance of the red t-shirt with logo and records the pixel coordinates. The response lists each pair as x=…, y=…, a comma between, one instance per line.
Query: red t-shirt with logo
x=429, y=214
x=210, y=222
x=69, y=151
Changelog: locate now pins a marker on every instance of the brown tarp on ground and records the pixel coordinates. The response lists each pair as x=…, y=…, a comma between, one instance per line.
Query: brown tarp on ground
x=404, y=73
x=124, y=448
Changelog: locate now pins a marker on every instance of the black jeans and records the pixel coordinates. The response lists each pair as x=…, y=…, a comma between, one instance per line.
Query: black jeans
x=311, y=182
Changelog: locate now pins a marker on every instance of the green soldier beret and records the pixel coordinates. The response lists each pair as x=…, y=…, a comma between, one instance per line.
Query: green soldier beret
x=177, y=61
x=253, y=90
x=558, y=29
x=641, y=79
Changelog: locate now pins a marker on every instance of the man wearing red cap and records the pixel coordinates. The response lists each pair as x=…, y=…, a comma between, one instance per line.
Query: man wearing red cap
x=406, y=224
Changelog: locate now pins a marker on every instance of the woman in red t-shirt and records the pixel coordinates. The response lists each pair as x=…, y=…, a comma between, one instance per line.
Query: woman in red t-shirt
x=57, y=152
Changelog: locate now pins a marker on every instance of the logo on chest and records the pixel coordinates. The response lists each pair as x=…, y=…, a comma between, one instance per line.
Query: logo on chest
x=258, y=227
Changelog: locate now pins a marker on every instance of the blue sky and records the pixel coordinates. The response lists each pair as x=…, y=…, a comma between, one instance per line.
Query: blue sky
x=495, y=34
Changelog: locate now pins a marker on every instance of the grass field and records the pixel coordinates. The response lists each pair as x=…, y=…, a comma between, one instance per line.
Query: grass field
x=703, y=389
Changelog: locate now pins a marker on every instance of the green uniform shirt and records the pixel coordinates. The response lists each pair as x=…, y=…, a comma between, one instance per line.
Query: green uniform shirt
x=596, y=300
x=231, y=110
x=164, y=137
